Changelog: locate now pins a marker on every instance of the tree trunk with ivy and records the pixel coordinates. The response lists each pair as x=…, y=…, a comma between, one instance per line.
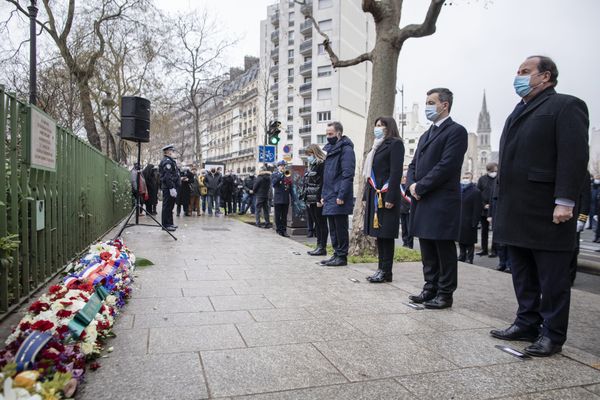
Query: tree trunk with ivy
x=389, y=39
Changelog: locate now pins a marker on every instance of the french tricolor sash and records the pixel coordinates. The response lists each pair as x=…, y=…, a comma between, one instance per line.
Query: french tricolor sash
x=378, y=198
x=404, y=196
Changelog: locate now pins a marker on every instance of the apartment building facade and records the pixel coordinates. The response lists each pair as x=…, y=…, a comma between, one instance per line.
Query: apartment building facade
x=304, y=91
x=233, y=123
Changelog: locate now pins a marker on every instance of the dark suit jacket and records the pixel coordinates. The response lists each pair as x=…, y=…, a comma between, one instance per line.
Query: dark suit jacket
x=435, y=169
x=543, y=156
x=470, y=214
x=387, y=166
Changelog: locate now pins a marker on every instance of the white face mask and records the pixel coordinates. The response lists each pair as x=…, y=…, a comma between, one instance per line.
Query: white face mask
x=596, y=181
x=465, y=181
x=492, y=174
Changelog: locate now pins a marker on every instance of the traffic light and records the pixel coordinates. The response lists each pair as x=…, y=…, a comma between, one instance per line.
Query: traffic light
x=273, y=132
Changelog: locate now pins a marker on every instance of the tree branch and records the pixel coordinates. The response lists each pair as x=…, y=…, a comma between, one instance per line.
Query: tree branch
x=426, y=28
x=335, y=61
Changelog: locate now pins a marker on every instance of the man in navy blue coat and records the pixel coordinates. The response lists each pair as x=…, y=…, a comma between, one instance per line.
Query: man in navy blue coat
x=542, y=169
x=434, y=183
x=338, y=193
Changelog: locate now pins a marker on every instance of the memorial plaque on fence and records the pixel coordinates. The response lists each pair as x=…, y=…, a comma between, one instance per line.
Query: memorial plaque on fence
x=42, y=142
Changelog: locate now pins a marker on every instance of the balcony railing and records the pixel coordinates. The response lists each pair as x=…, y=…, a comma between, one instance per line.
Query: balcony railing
x=273, y=104
x=275, y=52
x=305, y=88
x=305, y=110
x=275, y=36
x=307, y=7
x=274, y=70
x=306, y=28
x=305, y=129
x=275, y=19
x=306, y=67
x=275, y=87
x=306, y=46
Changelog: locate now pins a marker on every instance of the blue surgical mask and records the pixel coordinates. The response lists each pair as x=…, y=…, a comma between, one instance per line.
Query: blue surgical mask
x=521, y=84
x=332, y=140
x=311, y=159
x=378, y=132
x=431, y=112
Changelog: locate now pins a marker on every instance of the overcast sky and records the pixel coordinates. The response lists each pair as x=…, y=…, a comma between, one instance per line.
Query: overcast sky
x=474, y=48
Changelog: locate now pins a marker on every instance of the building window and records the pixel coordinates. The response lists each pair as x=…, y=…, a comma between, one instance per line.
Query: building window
x=324, y=116
x=325, y=4
x=321, y=49
x=326, y=25
x=412, y=152
x=305, y=142
x=321, y=139
x=324, y=94
x=291, y=72
x=290, y=98
x=290, y=132
x=324, y=71
x=291, y=53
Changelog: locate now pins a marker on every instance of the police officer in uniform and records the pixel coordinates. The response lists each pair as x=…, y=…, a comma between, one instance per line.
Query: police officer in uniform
x=169, y=182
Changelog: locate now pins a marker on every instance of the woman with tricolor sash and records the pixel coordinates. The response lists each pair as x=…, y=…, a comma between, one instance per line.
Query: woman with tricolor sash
x=383, y=173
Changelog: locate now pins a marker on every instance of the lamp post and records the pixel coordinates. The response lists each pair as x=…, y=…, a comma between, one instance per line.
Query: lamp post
x=402, y=113
x=33, y=11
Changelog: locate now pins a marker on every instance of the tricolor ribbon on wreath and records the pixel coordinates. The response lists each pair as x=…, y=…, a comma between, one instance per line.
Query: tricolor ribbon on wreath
x=378, y=197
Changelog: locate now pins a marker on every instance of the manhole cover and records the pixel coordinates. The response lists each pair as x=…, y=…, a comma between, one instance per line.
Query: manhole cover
x=215, y=229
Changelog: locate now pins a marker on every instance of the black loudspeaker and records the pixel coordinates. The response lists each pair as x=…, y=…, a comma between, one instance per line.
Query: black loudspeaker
x=135, y=119
x=136, y=130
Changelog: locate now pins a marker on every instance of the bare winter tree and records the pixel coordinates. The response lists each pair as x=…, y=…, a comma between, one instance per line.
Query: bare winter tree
x=389, y=39
x=78, y=35
x=196, y=56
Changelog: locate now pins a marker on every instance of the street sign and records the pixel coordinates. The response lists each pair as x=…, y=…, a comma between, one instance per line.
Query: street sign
x=266, y=154
x=287, y=148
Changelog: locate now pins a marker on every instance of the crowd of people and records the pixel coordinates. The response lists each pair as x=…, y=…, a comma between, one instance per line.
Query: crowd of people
x=535, y=199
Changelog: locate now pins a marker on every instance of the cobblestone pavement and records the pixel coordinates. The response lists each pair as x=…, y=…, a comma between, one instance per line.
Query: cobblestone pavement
x=233, y=311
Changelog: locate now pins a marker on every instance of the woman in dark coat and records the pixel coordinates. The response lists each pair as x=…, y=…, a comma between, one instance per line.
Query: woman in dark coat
x=383, y=172
x=227, y=192
x=152, y=185
x=183, y=197
x=311, y=195
x=470, y=213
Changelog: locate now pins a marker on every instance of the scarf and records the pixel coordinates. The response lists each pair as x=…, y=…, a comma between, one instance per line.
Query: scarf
x=369, y=160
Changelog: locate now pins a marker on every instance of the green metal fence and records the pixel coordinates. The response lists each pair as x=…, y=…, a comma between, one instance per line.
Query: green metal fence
x=86, y=195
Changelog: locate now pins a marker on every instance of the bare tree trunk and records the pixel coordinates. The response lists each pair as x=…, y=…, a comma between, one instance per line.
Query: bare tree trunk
x=89, y=122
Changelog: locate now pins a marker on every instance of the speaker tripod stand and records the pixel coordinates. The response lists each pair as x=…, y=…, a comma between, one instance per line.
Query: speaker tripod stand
x=138, y=207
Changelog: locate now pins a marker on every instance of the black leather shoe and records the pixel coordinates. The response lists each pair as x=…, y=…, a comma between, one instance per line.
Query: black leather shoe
x=285, y=234
x=482, y=253
x=424, y=296
x=169, y=228
x=381, y=277
x=319, y=251
x=543, y=347
x=377, y=273
x=462, y=258
x=310, y=234
x=515, y=332
x=501, y=268
x=324, y=262
x=337, y=262
x=438, y=303
x=493, y=255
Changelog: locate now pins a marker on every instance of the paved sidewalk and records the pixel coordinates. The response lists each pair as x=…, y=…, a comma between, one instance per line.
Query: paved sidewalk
x=232, y=311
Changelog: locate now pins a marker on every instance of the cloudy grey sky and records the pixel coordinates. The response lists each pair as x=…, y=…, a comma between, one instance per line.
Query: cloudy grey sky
x=474, y=49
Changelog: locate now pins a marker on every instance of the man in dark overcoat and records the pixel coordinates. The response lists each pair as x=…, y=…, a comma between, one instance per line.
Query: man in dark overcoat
x=434, y=183
x=470, y=214
x=282, y=186
x=338, y=191
x=542, y=169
